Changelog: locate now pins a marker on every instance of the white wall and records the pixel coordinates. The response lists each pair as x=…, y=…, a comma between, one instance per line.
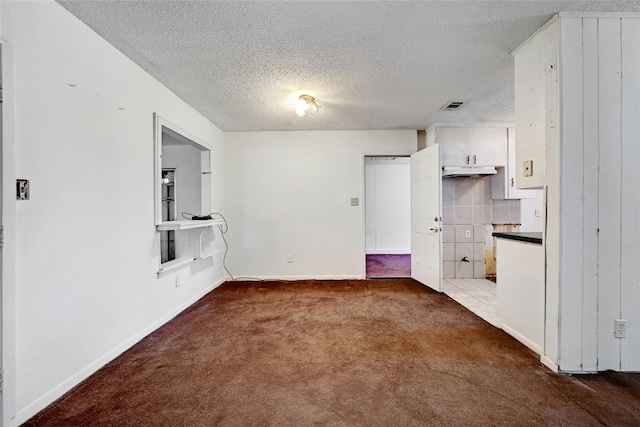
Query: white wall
x=86, y=249
x=289, y=193
x=388, y=205
x=599, y=192
x=532, y=212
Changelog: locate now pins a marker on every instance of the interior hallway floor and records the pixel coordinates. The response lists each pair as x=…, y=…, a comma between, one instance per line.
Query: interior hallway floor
x=477, y=295
x=337, y=353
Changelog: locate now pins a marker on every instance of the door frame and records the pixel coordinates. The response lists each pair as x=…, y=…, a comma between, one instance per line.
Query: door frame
x=7, y=222
x=363, y=219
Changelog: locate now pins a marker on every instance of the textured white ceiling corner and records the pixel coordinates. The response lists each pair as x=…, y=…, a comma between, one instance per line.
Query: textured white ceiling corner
x=371, y=65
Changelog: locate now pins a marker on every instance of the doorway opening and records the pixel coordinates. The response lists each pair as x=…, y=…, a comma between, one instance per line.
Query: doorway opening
x=387, y=216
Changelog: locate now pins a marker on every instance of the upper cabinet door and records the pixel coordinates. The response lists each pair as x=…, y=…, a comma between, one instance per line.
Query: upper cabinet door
x=489, y=146
x=472, y=146
x=454, y=145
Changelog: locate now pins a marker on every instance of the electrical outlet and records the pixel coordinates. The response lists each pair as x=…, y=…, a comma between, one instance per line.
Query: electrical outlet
x=467, y=233
x=536, y=212
x=620, y=328
x=355, y=201
x=289, y=258
x=178, y=280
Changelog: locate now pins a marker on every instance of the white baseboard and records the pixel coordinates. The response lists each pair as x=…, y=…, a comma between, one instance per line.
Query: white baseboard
x=292, y=278
x=49, y=397
x=549, y=363
x=524, y=340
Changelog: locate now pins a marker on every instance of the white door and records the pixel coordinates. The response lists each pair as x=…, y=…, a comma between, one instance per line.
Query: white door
x=426, y=220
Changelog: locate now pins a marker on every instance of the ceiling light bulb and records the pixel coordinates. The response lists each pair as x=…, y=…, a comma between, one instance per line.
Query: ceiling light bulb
x=305, y=104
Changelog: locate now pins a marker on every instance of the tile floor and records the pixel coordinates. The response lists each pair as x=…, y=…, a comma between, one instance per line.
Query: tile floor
x=476, y=295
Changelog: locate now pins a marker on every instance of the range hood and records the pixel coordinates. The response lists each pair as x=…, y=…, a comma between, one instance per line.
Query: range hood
x=467, y=171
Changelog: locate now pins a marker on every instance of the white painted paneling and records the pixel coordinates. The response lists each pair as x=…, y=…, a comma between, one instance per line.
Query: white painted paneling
x=590, y=193
x=593, y=194
x=86, y=248
x=552, y=177
x=289, y=193
x=630, y=248
x=610, y=195
x=571, y=193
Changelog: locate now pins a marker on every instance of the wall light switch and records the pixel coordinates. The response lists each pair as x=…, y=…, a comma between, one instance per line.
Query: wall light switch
x=355, y=201
x=22, y=189
x=527, y=167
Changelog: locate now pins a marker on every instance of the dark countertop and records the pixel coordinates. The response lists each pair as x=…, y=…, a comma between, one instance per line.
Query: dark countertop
x=530, y=237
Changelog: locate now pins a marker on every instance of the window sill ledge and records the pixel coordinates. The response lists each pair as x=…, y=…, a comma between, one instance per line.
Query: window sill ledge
x=174, y=265
x=187, y=224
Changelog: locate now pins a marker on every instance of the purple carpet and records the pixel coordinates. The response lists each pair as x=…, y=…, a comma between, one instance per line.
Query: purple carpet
x=388, y=265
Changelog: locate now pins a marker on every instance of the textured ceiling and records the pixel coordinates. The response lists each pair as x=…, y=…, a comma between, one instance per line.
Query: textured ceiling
x=370, y=64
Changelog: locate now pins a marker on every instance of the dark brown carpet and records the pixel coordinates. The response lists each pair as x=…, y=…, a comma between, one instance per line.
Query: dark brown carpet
x=343, y=353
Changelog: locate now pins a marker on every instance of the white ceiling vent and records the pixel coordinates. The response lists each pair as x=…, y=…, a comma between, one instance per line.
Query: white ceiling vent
x=453, y=105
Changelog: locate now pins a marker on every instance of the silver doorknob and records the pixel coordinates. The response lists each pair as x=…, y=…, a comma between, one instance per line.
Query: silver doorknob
x=435, y=229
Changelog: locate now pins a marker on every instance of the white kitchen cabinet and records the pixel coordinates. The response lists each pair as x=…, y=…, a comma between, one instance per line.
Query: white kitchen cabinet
x=504, y=182
x=471, y=146
x=536, y=104
x=521, y=289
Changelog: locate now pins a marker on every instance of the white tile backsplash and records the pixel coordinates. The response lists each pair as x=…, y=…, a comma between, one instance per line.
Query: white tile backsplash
x=461, y=233
x=448, y=270
x=448, y=234
x=478, y=233
x=448, y=215
x=501, y=215
x=482, y=214
x=448, y=252
x=467, y=206
x=478, y=251
x=448, y=192
x=464, y=250
x=464, y=215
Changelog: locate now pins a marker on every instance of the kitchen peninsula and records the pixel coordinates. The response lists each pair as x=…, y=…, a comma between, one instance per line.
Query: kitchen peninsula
x=521, y=286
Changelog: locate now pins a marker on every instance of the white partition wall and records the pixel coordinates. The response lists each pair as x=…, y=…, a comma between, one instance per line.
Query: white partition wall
x=86, y=249
x=600, y=192
x=590, y=65
x=289, y=193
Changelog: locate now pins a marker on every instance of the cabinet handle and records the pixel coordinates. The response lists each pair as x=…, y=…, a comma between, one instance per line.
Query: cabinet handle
x=475, y=159
x=468, y=159
x=512, y=184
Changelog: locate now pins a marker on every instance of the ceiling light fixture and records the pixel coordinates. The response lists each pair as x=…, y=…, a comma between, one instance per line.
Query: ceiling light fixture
x=306, y=104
